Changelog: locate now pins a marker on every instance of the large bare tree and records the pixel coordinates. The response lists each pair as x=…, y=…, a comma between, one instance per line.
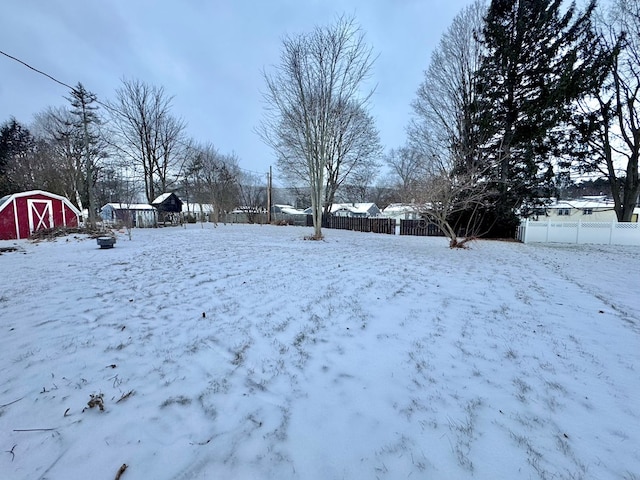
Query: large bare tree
x=609, y=120
x=407, y=166
x=148, y=134
x=76, y=147
x=444, y=147
x=212, y=178
x=354, y=153
x=56, y=127
x=443, y=107
x=252, y=191
x=316, y=115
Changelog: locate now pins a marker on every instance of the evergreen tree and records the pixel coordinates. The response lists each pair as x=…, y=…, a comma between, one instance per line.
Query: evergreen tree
x=87, y=121
x=531, y=73
x=16, y=142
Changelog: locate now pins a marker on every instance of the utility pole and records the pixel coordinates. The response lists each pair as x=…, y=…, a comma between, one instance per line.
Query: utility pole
x=269, y=196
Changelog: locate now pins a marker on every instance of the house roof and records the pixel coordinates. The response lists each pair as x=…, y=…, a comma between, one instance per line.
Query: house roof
x=353, y=207
x=289, y=209
x=400, y=208
x=585, y=202
x=129, y=206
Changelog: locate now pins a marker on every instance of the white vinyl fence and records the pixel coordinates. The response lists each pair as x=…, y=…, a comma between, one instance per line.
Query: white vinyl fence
x=602, y=233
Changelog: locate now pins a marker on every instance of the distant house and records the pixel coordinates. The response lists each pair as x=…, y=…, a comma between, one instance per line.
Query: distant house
x=286, y=210
x=169, y=207
x=401, y=211
x=22, y=214
x=352, y=210
x=200, y=212
x=287, y=214
x=587, y=209
x=139, y=215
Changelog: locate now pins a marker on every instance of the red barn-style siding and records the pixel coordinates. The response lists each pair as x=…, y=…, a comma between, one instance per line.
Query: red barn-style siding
x=21, y=214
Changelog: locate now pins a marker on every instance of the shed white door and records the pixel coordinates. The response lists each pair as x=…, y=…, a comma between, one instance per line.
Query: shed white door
x=40, y=214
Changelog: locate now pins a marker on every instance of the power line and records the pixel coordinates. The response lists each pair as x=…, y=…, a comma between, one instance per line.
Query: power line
x=36, y=70
x=105, y=105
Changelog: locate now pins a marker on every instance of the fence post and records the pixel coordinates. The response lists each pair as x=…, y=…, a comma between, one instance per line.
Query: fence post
x=526, y=231
x=546, y=240
x=613, y=226
x=578, y=232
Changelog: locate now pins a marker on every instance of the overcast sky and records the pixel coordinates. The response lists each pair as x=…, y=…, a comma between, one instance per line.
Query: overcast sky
x=209, y=55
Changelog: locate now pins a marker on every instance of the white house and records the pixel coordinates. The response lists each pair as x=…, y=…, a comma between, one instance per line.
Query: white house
x=587, y=209
x=401, y=211
x=355, y=210
x=286, y=209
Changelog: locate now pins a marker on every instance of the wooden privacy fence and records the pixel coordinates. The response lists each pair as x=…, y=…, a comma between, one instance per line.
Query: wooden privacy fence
x=388, y=226
x=360, y=224
x=420, y=228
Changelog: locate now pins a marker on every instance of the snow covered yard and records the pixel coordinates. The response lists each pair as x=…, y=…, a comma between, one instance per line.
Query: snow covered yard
x=246, y=352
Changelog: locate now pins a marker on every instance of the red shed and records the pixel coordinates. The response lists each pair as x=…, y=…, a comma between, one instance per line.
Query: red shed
x=21, y=214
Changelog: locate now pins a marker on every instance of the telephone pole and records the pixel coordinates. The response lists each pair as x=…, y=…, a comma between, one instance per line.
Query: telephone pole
x=269, y=176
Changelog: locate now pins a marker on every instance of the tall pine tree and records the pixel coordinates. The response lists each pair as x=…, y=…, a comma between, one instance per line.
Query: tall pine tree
x=16, y=142
x=86, y=122
x=531, y=73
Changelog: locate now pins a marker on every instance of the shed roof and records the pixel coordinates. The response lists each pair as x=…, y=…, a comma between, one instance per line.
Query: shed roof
x=9, y=198
x=130, y=206
x=163, y=197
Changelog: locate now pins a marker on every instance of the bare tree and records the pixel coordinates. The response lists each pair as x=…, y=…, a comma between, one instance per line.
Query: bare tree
x=55, y=126
x=76, y=146
x=444, y=144
x=32, y=160
x=147, y=133
x=252, y=191
x=454, y=199
x=443, y=107
x=213, y=179
x=314, y=108
x=352, y=160
x=408, y=169
x=359, y=185
x=609, y=121
x=34, y=165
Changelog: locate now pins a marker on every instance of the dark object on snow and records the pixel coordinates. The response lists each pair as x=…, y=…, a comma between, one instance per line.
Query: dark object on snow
x=106, y=242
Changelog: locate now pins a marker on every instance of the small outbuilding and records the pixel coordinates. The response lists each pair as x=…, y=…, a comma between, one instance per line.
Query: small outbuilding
x=138, y=215
x=169, y=208
x=22, y=214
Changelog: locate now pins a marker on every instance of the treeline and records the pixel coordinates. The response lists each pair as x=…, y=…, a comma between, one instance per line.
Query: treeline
x=519, y=98
x=130, y=149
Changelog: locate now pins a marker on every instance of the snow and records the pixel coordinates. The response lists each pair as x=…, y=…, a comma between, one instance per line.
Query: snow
x=247, y=352
x=162, y=197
